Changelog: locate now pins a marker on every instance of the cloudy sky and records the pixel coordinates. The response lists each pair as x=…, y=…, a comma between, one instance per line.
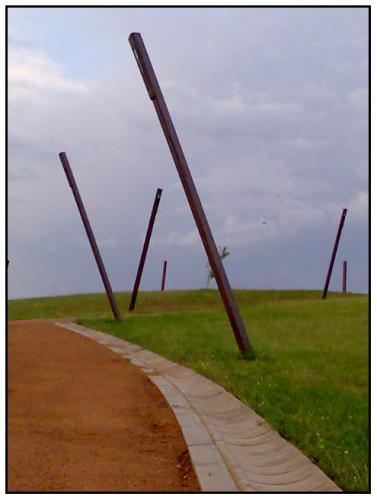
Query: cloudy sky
x=271, y=107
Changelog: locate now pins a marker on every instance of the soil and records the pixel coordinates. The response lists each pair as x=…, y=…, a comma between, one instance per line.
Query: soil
x=83, y=419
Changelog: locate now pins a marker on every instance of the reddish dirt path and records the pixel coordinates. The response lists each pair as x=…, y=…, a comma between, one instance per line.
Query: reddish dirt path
x=81, y=418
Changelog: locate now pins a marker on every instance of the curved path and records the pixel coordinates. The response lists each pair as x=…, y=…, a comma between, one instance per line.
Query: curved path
x=232, y=448
x=81, y=419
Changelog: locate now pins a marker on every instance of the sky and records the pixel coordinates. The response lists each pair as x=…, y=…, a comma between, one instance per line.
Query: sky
x=271, y=108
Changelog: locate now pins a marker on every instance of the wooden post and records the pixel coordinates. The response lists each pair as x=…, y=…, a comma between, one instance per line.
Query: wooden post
x=89, y=232
x=333, y=255
x=344, y=281
x=164, y=275
x=145, y=249
x=192, y=195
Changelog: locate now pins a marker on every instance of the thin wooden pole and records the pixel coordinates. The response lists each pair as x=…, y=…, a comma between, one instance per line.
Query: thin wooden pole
x=145, y=249
x=192, y=195
x=333, y=255
x=164, y=275
x=89, y=232
x=344, y=281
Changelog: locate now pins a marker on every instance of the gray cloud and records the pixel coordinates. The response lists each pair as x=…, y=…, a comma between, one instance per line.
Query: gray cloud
x=271, y=107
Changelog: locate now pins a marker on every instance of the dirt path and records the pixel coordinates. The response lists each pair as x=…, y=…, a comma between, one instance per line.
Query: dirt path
x=81, y=418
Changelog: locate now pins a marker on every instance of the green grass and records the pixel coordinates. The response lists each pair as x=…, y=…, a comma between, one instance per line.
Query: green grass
x=309, y=379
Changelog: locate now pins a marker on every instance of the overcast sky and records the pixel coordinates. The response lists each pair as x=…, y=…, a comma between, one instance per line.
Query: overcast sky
x=271, y=107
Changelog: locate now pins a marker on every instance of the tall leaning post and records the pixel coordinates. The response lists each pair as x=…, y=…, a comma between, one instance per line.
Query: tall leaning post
x=333, y=255
x=89, y=232
x=155, y=94
x=144, y=251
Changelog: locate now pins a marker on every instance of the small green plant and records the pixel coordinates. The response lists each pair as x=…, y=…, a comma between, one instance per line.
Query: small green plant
x=223, y=252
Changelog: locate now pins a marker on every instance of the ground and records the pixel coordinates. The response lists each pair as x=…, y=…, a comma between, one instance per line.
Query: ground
x=309, y=380
x=80, y=418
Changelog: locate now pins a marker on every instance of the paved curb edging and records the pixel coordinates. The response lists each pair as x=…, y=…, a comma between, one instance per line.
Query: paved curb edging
x=231, y=447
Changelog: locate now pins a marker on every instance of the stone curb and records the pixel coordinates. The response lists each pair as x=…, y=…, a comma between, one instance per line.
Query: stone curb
x=231, y=447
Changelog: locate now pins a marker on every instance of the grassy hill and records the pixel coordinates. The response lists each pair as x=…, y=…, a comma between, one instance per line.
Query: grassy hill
x=310, y=378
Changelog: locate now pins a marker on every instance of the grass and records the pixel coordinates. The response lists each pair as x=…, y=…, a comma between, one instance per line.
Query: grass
x=310, y=376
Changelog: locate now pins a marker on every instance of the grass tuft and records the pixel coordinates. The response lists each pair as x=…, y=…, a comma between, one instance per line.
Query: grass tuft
x=249, y=355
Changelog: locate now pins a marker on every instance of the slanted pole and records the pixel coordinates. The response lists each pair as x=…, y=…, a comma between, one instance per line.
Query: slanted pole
x=164, y=275
x=209, y=244
x=344, y=281
x=145, y=249
x=89, y=232
x=333, y=255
